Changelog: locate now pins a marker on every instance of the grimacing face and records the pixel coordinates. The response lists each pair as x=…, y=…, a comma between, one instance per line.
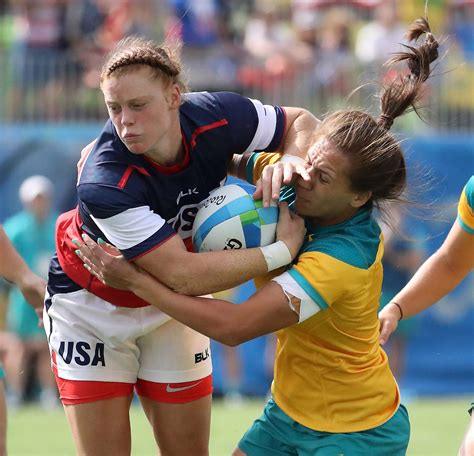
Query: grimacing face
x=328, y=198
x=142, y=108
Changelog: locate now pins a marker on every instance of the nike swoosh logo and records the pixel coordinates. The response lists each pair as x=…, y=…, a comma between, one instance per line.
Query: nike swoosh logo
x=170, y=389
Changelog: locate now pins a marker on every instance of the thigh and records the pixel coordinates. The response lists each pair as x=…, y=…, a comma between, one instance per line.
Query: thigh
x=173, y=353
x=91, y=339
x=270, y=434
x=180, y=429
x=101, y=428
x=390, y=438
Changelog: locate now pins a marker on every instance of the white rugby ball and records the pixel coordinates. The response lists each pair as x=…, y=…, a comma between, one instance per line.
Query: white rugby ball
x=231, y=219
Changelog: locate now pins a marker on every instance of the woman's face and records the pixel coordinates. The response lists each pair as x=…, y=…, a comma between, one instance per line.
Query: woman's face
x=328, y=198
x=143, y=109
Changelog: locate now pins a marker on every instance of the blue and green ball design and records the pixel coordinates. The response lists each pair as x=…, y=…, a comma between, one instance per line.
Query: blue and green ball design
x=231, y=219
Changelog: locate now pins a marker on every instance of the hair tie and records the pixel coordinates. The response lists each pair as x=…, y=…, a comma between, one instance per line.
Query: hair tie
x=385, y=121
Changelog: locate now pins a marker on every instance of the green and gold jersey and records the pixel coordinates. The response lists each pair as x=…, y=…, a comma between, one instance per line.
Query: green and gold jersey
x=466, y=207
x=330, y=372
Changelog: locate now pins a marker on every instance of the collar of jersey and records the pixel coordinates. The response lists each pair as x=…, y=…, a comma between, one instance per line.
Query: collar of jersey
x=174, y=168
x=362, y=215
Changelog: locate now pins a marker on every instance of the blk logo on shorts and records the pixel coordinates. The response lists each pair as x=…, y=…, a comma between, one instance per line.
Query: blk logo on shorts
x=85, y=354
x=198, y=357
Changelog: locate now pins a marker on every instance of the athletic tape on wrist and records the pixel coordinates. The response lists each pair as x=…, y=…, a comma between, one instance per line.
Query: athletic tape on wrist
x=276, y=255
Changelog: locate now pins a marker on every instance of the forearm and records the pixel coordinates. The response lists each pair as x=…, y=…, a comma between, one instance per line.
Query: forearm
x=205, y=273
x=12, y=266
x=432, y=281
x=214, y=318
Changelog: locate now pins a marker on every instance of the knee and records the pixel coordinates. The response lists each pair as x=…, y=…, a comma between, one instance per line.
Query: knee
x=238, y=452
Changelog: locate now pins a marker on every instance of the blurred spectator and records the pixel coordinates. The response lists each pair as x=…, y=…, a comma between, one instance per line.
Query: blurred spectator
x=379, y=38
x=31, y=232
x=266, y=32
x=40, y=54
x=461, y=24
x=403, y=255
x=195, y=23
x=100, y=24
x=275, y=50
x=209, y=51
x=334, y=56
x=456, y=100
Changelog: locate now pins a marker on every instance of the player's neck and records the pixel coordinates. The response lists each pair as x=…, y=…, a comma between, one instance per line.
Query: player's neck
x=169, y=151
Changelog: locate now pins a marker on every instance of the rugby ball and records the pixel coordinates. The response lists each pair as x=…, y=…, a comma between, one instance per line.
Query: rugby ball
x=231, y=219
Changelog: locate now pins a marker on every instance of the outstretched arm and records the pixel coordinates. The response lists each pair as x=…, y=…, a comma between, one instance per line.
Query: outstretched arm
x=438, y=275
x=203, y=273
x=15, y=270
x=264, y=312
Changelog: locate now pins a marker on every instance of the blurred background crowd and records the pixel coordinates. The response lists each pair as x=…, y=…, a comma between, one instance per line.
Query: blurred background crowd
x=308, y=53
x=311, y=53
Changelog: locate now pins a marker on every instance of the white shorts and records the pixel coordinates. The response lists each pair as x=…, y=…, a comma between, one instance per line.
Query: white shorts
x=91, y=339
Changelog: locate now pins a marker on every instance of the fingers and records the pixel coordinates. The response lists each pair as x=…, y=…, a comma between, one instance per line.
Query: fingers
x=385, y=332
x=258, y=190
x=284, y=210
x=275, y=176
x=304, y=173
x=109, y=248
x=94, y=271
x=276, y=183
x=90, y=254
x=271, y=178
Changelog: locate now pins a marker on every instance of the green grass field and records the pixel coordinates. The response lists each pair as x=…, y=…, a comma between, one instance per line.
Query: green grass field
x=437, y=429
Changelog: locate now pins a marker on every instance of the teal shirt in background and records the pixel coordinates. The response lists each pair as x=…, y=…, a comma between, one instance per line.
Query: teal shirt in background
x=35, y=243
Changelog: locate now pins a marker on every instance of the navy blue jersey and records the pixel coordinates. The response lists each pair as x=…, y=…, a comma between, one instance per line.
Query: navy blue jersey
x=136, y=204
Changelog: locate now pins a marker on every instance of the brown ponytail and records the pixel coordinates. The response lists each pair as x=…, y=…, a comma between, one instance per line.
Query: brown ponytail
x=403, y=92
x=377, y=163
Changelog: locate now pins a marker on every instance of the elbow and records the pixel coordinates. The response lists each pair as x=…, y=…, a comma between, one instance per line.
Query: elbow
x=179, y=282
x=230, y=334
x=304, y=113
x=231, y=340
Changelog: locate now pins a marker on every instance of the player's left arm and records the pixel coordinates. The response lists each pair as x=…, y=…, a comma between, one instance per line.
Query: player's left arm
x=298, y=135
x=14, y=269
x=266, y=311
x=280, y=303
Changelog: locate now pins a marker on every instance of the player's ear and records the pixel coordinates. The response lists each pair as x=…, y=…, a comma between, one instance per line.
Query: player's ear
x=174, y=96
x=359, y=199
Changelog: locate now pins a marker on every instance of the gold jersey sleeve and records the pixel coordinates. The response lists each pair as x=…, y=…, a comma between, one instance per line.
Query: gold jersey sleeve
x=466, y=207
